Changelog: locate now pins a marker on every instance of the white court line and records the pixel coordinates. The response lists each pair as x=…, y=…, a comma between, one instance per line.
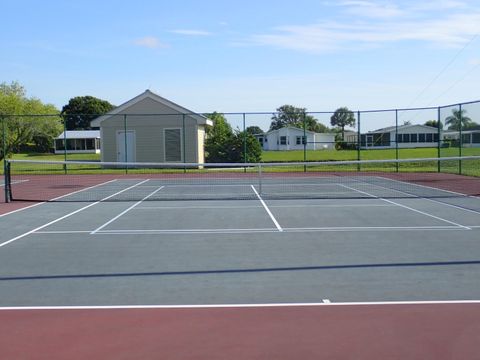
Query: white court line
x=259, y=206
x=429, y=187
x=66, y=216
x=267, y=209
x=408, y=207
x=223, y=306
x=254, y=230
x=59, y=197
x=196, y=207
x=15, y=182
x=126, y=210
x=432, y=200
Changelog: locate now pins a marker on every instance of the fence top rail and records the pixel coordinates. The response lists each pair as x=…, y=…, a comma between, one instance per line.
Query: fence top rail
x=241, y=113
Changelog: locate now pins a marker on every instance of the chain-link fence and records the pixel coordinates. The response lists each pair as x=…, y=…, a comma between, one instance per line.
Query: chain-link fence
x=443, y=131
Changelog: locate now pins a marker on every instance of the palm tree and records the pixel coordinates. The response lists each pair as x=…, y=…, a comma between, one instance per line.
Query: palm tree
x=458, y=120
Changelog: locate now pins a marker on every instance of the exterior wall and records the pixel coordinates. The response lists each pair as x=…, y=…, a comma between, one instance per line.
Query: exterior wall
x=149, y=132
x=324, y=141
x=415, y=129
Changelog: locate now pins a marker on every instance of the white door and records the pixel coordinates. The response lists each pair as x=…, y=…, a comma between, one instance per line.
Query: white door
x=126, y=146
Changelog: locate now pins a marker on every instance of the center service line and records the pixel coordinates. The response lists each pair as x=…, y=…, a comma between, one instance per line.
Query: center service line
x=267, y=209
x=125, y=211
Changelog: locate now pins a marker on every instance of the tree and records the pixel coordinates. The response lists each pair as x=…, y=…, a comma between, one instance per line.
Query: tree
x=218, y=136
x=288, y=115
x=458, y=120
x=254, y=130
x=224, y=145
x=434, y=123
x=342, y=117
x=236, y=148
x=81, y=110
x=26, y=121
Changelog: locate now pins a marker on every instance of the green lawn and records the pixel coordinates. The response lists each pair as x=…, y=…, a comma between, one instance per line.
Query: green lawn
x=335, y=155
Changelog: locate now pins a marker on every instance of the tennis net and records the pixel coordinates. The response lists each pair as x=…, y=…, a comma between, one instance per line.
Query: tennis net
x=30, y=180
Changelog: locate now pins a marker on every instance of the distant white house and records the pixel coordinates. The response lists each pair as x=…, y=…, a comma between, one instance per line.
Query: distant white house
x=470, y=138
x=78, y=141
x=413, y=136
x=292, y=138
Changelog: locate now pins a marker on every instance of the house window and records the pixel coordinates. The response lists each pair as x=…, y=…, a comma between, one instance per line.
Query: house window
x=421, y=138
x=429, y=137
x=476, y=138
x=283, y=140
x=300, y=140
x=399, y=138
x=173, y=144
x=413, y=138
x=406, y=138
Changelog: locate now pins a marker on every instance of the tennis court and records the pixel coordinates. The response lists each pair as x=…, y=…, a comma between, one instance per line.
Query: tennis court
x=229, y=255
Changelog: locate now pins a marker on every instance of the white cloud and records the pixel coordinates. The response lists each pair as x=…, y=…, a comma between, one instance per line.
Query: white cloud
x=191, y=32
x=371, y=9
x=150, y=42
x=451, y=30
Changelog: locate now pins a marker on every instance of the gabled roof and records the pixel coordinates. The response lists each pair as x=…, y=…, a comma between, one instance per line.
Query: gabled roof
x=401, y=127
x=201, y=120
x=80, y=134
x=293, y=128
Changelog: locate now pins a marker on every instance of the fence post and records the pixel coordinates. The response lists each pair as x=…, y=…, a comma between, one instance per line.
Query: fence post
x=439, y=145
x=65, y=144
x=304, y=141
x=5, y=166
x=460, y=139
x=183, y=144
x=359, y=135
x=396, y=139
x=125, y=141
x=244, y=144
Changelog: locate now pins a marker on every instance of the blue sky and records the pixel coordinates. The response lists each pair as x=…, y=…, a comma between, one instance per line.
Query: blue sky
x=246, y=55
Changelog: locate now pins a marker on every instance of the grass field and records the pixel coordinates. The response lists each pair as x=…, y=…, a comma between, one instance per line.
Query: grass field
x=334, y=155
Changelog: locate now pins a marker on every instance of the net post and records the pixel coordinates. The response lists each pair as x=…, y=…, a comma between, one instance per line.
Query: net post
x=7, y=186
x=439, y=150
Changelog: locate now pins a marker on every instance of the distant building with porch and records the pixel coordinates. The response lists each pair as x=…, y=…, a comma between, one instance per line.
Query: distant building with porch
x=78, y=141
x=413, y=136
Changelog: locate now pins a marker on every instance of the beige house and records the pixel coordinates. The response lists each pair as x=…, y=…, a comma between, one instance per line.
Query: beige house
x=149, y=128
